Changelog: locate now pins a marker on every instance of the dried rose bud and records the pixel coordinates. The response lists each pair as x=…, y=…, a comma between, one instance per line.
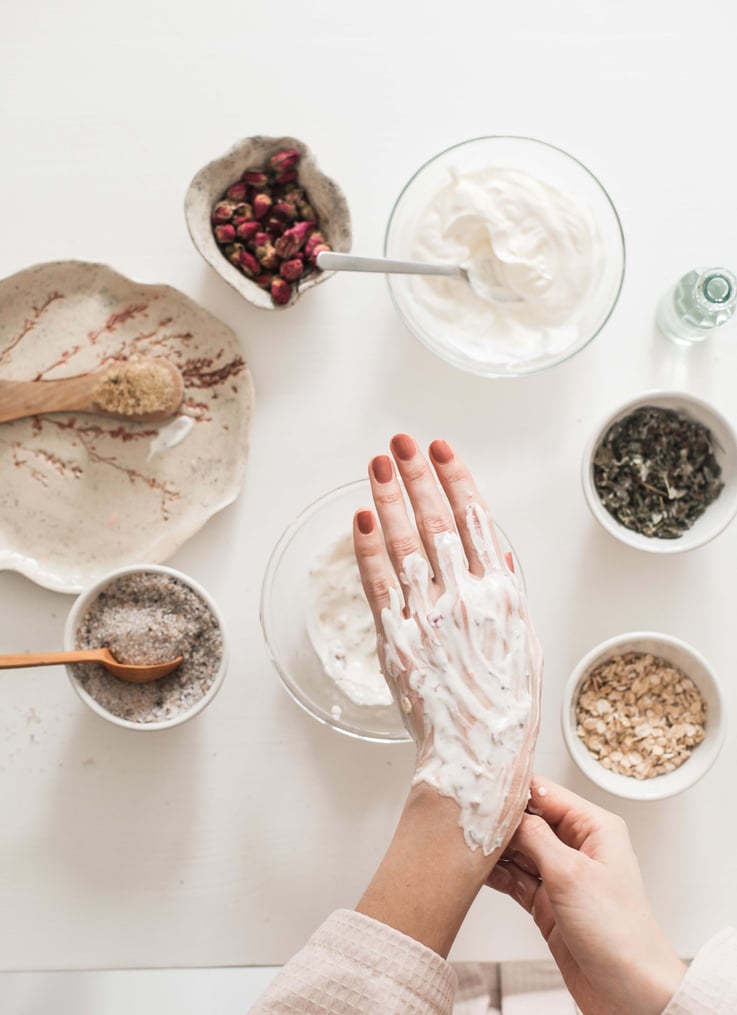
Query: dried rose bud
x=306, y=211
x=223, y=211
x=224, y=234
x=264, y=279
x=255, y=177
x=261, y=205
x=246, y=230
x=286, y=245
x=293, y=239
x=233, y=252
x=267, y=256
x=293, y=194
x=261, y=237
x=292, y=270
x=275, y=227
x=313, y=240
x=318, y=249
x=281, y=290
x=236, y=192
x=249, y=264
x=284, y=210
x=243, y=210
x=285, y=176
x=287, y=159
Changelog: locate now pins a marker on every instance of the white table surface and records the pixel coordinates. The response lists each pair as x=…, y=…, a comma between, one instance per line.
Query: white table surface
x=226, y=841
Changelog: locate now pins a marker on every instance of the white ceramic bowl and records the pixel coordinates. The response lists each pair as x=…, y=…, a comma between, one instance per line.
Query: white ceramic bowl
x=716, y=517
x=211, y=182
x=551, y=166
x=285, y=612
x=76, y=616
x=689, y=662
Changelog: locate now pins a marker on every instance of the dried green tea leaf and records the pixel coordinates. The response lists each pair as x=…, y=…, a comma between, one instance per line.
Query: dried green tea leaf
x=655, y=471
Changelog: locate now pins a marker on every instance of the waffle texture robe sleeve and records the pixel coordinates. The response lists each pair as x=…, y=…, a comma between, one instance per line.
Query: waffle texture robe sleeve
x=354, y=965
x=710, y=985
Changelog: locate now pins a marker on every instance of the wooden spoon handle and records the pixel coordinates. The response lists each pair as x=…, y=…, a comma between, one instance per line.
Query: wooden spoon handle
x=11, y=662
x=26, y=398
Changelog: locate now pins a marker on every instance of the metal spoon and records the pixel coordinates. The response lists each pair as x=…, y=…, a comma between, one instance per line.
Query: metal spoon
x=328, y=260
x=103, y=656
x=86, y=393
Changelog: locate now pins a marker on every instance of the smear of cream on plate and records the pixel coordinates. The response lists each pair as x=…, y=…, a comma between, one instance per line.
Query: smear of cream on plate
x=170, y=435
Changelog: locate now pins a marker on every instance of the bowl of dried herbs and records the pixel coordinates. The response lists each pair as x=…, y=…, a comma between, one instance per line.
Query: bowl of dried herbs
x=660, y=472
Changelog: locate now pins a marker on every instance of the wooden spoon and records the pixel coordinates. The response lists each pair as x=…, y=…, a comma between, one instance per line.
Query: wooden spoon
x=103, y=656
x=141, y=390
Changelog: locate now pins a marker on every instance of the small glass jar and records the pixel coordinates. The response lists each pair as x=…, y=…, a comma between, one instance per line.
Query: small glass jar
x=699, y=302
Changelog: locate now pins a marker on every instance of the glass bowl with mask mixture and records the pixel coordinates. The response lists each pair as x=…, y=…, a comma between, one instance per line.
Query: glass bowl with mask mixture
x=317, y=624
x=541, y=242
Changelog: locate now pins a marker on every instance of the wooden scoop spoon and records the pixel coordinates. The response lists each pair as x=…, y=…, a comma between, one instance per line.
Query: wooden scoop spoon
x=141, y=390
x=103, y=656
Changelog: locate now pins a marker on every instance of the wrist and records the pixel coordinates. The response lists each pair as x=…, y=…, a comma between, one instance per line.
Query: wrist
x=429, y=876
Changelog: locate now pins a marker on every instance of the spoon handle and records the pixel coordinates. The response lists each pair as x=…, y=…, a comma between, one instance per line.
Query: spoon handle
x=11, y=662
x=26, y=398
x=328, y=260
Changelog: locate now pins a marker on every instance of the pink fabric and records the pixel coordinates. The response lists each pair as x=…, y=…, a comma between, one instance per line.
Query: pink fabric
x=710, y=985
x=353, y=965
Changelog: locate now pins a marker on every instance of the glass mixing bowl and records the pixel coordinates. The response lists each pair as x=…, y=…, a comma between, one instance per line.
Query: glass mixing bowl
x=285, y=616
x=434, y=321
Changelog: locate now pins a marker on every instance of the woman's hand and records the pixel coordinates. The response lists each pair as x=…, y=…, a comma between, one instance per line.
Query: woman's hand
x=570, y=864
x=454, y=636
x=463, y=663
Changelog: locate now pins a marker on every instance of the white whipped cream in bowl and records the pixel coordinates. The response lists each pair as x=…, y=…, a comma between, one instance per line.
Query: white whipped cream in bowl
x=540, y=240
x=317, y=624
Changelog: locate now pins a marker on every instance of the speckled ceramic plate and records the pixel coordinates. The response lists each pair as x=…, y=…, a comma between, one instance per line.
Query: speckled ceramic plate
x=81, y=494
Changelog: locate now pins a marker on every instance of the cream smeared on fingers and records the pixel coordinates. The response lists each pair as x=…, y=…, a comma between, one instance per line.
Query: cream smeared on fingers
x=467, y=667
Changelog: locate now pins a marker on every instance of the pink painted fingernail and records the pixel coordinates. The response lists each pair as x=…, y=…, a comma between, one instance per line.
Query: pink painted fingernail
x=403, y=447
x=365, y=522
x=382, y=468
x=441, y=452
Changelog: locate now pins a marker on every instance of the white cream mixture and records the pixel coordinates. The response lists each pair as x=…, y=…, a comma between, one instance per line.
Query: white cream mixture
x=341, y=627
x=467, y=669
x=509, y=230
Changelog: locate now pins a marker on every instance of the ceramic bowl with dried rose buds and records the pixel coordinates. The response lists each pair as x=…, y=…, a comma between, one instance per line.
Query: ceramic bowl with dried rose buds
x=643, y=715
x=261, y=213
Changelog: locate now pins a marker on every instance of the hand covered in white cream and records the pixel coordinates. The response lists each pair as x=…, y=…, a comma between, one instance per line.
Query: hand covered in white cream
x=454, y=637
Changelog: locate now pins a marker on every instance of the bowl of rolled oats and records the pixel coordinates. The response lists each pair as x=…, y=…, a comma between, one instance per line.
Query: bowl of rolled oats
x=148, y=614
x=643, y=715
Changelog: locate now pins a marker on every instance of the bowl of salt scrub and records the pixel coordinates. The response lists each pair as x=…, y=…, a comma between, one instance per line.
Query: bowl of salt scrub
x=659, y=473
x=643, y=715
x=148, y=614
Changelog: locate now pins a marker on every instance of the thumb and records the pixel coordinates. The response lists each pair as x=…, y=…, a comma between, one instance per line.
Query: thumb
x=537, y=840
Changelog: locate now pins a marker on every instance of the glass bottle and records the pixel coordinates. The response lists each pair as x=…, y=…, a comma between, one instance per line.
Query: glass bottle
x=698, y=303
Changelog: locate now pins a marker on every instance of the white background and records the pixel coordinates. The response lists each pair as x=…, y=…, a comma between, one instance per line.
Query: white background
x=226, y=842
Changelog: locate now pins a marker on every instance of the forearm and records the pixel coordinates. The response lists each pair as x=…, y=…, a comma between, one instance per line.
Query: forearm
x=429, y=877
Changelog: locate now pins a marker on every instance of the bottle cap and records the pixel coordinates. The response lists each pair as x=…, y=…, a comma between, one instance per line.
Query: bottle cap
x=717, y=286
